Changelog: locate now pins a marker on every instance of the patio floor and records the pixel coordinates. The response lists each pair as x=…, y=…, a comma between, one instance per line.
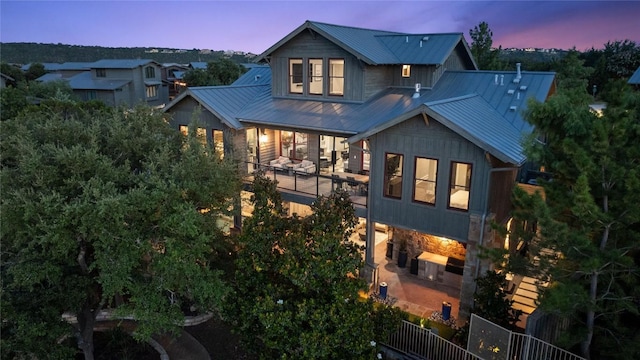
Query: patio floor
x=417, y=296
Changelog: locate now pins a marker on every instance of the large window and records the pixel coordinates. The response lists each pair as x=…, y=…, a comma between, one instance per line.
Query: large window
x=295, y=76
x=406, y=70
x=316, y=77
x=218, y=142
x=152, y=91
x=336, y=77
x=393, y=175
x=460, y=185
x=424, y=189
x=294, y=145
x=149, y=72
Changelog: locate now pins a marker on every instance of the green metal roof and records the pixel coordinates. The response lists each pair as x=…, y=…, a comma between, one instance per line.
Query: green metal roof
x=379, y=47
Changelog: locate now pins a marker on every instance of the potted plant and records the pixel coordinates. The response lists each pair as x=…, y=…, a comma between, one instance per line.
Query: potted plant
x=402, y=253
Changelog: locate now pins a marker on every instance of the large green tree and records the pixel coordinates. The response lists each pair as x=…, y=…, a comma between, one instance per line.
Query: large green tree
x=222, y=71
x=105, y=209
x=584, y=235
x=297, y=285
x=482, y=47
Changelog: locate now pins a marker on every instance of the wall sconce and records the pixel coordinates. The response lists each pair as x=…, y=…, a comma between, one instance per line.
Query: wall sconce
x=263, y=136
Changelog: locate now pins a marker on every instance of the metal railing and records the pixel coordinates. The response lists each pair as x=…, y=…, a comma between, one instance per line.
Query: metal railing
x=420, y=342
x=313, y=184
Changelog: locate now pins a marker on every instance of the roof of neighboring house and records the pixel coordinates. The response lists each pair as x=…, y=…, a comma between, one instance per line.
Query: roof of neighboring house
x=223, y=101
x=84, y=81
x=70, y=65
x=121, y=63
x=257, y=75
x=378, y=47
x=635, y=78
x=7, y=77
x=198, y=65
x=50, y=77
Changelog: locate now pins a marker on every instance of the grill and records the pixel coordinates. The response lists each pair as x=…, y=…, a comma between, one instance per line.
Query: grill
x=455, y=266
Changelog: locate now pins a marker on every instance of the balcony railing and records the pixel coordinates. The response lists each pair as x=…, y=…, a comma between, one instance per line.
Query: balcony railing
x=314, y=184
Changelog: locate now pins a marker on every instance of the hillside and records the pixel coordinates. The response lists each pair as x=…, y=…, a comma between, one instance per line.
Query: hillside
x=24, y=53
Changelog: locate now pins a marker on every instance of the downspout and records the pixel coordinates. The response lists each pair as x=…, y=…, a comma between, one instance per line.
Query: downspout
x=486, y=210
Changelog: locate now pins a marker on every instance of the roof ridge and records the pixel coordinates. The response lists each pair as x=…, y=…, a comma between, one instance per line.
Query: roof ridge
x=356, y=28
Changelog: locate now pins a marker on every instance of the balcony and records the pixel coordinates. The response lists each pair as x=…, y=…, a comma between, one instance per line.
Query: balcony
x=314, y=185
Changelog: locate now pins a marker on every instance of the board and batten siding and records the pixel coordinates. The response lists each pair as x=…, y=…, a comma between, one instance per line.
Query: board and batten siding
x=414, y=138
x=313, y=46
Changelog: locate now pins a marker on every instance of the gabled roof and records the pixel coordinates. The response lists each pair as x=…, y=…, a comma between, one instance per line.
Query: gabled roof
x=121, y=63
x=198, y=65
x=84, y=81
x=378, y=47
x=70, y=65
x=257, y=75
x=635, y=78
x=223, y=101
x=50, y=77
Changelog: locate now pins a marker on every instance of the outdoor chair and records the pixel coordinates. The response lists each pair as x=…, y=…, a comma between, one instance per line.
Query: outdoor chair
x=353, y=184
x=337, y=181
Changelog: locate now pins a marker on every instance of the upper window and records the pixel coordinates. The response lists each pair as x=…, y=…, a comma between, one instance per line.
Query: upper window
x=424, y=189
x=295, y=76
x=406, y=70
x=101, y=72
x=393, y=175
x=336, y=77
x=460, y=185
x=149, y=72
x=316, y=77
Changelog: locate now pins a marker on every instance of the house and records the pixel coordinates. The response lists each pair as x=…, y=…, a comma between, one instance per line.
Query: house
x=117, y=82
x=428, y=146
x=634, y=80
x=6, y=80
x=172, y=75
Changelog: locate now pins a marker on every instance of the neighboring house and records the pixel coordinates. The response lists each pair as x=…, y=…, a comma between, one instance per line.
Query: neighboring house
x=6, y=80
x=435, y=143
x=172, y=75
x=121, y=82
x=198, y=65
x=635, y=78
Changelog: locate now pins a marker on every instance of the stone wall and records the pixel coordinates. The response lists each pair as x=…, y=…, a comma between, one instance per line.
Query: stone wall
x=419, y=242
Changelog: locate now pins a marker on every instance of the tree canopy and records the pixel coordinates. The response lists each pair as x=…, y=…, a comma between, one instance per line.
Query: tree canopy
x=584, y=234
x=297, y=285
x=222, y=71
x=482, y=47
x=105, y=209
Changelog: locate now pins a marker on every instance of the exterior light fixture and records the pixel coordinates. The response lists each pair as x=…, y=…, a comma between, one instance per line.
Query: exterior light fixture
x=263, y=136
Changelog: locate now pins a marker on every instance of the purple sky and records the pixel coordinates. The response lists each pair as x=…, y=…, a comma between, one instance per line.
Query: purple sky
x=254, y=26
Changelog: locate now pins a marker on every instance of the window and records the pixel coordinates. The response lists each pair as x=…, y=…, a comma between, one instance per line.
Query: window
x=406, y=70
x=202, y=135
x=92, y=95
x=101, y=72
x=184, y=129
x=218, y=142
x=295, y=76
x=393, y=175
x=294, y=145
x=149, y=72
x=336, y=77
x=315, y=77
x=459, y=186
x=424, y=189
x=152, y=91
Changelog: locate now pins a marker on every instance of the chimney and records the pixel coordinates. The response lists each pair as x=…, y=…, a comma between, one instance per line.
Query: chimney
x=501, y=80
x=495, y=80
x=417, y=93
x=518, y=74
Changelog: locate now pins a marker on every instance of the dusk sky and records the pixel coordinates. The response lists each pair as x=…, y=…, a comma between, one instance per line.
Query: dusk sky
x=253, y=26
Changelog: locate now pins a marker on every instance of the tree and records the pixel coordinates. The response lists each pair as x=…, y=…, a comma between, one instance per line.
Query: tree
x=482, y=47
x=105, y=208
x=297, y=285
x=491, y=303
x=13, y=100
x=35, y=71
x=587, y=238
x=222, y=71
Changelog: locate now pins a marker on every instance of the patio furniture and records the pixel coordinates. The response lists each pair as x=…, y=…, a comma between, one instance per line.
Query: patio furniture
x=337, y=181
x=353, y=184
x=279, y=163
x=305, y=167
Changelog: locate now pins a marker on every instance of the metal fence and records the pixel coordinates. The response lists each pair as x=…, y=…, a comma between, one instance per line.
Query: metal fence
x=420, y=342
x=490, y=341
